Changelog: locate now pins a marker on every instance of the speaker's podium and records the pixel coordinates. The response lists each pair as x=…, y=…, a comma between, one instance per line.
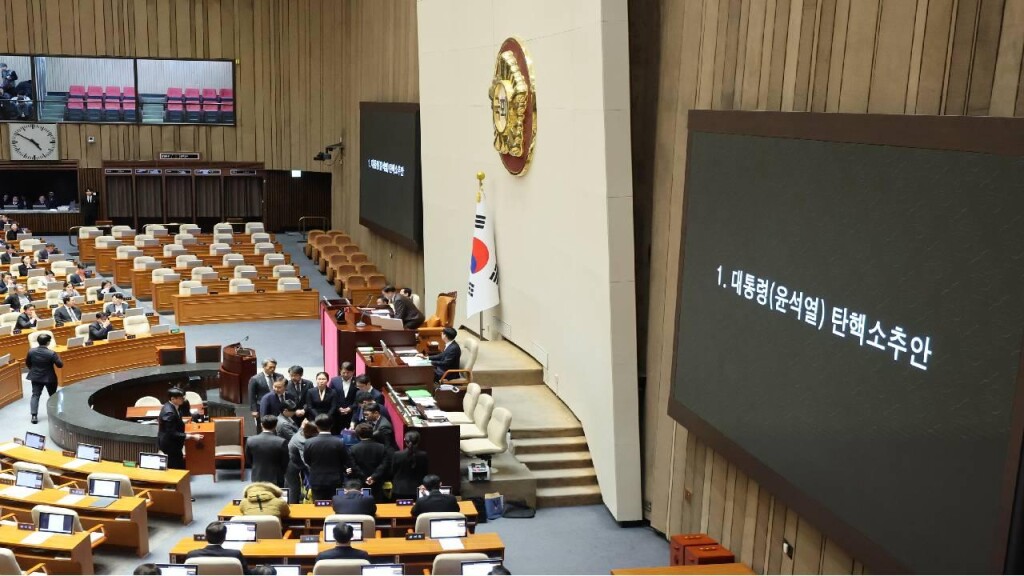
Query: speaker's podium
x=238, y=366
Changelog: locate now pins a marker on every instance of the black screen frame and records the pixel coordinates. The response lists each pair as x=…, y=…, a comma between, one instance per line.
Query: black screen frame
x=987, y=135
x=414, y=244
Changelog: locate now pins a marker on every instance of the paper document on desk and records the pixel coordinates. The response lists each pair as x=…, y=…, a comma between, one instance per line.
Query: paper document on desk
x=415, y=361
x=19, y=492
x=77, y=463
x=451, y=544
x=406, y=351
x=8, y=446
x=307, y=549
x=36, y=538
x=150, y=413
x=434, y=414
x=69, y=500
x=233, y=545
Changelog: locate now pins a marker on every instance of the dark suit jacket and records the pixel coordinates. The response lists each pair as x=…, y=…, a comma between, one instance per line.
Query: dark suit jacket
x=13, y=234
x=327, y=458
x=435, y=502
x=75, y=279
x=61, y=314
x=268, y=454
x=43, y=255
x=315, y=406
x=25, y=322
x=372, y=459
x=113, y=309
x=258, y=386
x=7, y=258
x=298, y=393
x=448, y=359
x=171, y=429
x=407, y=312
x=342, y=553
x=354, y=503
x=344, y=400
x=269, y=404
x=357, y=413
x=15, y=302
x=40, y=363
x=383, y=431
x=98, y=331
x=218, y=551
x=407, y=471
x=23, y=270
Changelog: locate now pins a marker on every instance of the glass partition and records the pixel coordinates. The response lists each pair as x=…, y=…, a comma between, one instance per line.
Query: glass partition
x=17, y=88
x=186, y=91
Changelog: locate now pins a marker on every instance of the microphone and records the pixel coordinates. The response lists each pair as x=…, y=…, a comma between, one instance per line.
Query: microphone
x=362, y=313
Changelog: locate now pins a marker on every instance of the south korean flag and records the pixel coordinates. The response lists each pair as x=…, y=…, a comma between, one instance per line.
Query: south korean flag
x=483, y=263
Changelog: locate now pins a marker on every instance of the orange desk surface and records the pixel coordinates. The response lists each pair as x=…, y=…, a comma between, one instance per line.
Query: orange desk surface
x=164, y=292
x=731, y=568
x=63, y=554
x=142, y=280
x=17, y=344
x=209, y=308
x=105, y=356
x=171, y=492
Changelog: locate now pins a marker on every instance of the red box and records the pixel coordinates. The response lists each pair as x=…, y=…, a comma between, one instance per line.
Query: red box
x=680, y=542
x=713, y=554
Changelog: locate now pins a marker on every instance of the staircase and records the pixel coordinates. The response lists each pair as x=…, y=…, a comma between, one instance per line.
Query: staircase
x=560, y=461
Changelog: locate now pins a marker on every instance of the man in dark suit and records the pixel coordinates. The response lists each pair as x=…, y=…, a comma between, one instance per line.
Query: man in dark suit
x=272, y=403
x=90, y=207
x=10, y=255
x=405, y=309
x=170, y=436
x=40, y=362
x=327, y=459
x=28, y=318
x=99, y=329
x=19, y=298
x=118, y=307
x=380, y=427
x=408, y=467
x=77, y=278
x=216, y=532
x=434, y=501
x=321, y=400
x=44, y=254
x=448, y=358
x=260, y=384
x=371, y=459
x=268, y=453
x=344, y=385
x=352, y=501
x=297, y=387
x=364, y=387
x=343, y=549
x=67, y=312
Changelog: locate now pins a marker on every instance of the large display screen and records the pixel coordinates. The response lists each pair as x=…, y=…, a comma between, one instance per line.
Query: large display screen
x=390, y=198
x=849, y=330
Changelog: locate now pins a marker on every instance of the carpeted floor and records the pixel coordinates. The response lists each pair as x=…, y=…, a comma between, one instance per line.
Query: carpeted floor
x=579, y=540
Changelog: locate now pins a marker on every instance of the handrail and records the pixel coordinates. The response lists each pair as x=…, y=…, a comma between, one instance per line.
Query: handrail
x=73, y=236
x=302, y=224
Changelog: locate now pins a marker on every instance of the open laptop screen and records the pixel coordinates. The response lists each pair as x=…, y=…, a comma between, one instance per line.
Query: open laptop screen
x=479, y=567
x=150, y=461
x=357, y=531
x=29, y=479
x=88, y=452
x=240, y=531
x=33, y=440
x=104, y=488
x=59, y=523
x=448, y=528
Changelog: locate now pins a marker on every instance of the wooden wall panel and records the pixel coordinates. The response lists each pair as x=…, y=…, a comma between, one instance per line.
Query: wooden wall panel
x=889, y=56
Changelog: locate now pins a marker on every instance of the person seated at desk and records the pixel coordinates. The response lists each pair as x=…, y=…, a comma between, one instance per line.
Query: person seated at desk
x=7, y=284
x=77, y=278
x=106, y=287
x=448, y=358
x=118, y=307
x=99, y=329
x=27, y=318
x=343, y=549
x=263, y=498
x=432, y=500
x=405, y=309
x=51, y=200
x=67, y=312
x=408, y=467
x=382, y=302
x=12, y=233
x=27, y=263
x=10, y=255
x=352, y=500
x=371, y=459
x=18, y=203
x=19, y=298
x=40, y=202
x=44, y=254
x=216, y=532
x=69, y=290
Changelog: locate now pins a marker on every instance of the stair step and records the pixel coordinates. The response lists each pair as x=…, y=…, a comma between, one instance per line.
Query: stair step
x=556, y=460
x=564, y=478
x=547, y=445
x=547, y=432
x=568, y=496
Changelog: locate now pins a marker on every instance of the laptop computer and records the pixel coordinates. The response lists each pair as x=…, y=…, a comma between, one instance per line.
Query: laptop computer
x=89, y=452
x=57, y=257
x=54, y=285
x=383, y=569
x=194, y=290
x=152, y=461
x=357, y=531
x=179, y=569
x=57, y=523
x=29, y=479
x=116, y=335
x=5, y=360
x=45, y=323
x=288, y=569
x=88, y=317
x=444, y=489
x=479, y=567
x=105, y=491
x=33, y=440
x=134, y=312
x=160, y=329
x=447, y=528
x=239, y=534
x=245, y=288
x=36, y=272
x=76, y=342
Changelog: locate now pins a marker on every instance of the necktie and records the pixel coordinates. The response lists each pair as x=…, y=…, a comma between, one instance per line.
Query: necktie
x=71, y=313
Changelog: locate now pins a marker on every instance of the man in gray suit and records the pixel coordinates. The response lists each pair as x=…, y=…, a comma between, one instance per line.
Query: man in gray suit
x=268, y=453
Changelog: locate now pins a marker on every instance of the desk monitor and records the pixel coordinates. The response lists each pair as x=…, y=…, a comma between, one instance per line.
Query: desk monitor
x=77, y=300
x=445, y=489
x=54, y=285
x=40, y=304
x=36, y=272
x=88, y=317
x=5, y=308
x=240, y=532
x=104, y=488
x=246, y=274
x=90, y=282
x=88, y=452
x=383, y=569
x=195, y=290
x=23, y=237
x=179, y=569
x=108, y=296
x=479, y=567
x=151, y=461
x=57, y=257
x=45, y=323
x=29, y=479
x=286, y=273
x=53, y=522
x=76, y=342
x=357, y=531
x=160, y=329
x=33, y=440
x=284, y=570
x=116, y=335
x=387, y=323
x=134, y=312
x=447, y=528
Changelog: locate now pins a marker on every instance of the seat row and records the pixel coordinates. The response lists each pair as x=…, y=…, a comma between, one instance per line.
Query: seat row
x=122, y=231
x=346, y=267
x=96, y=103
x=483, y=428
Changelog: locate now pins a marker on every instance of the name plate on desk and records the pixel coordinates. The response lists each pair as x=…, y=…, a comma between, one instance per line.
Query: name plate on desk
x=322, y=503
x=309, y=538
x=26, y=526
x=68, y=453
x=199, y=537
x=404, y=502
x=415, y=536
x=236, y=502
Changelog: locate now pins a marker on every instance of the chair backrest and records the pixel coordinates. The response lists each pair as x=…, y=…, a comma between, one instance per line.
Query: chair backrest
x=88, y=231
x=47, y=480
x=62, y=268
x=349, y=249
x=188, y=229
x=355, y=281
x=9, y=319
x=218, y=248
x=367, y=268
x=9, y=562
x=282, y=269
x=136, y=325
x=253, y=227
x=33, y=339
x=223, y=227
x=288, y=284
x=423, y=520
x=263, y=248
x=185, y=285
x=184, y=238
x=416, y=301
x=376, y=281
x=199, y=271
x=233, y=259
x=124, y=251
x=83, y=330
x=259, y=237
x=150, y=228
x=91, y=295
x=224, y=237
x=483, y=410
x=173, y=249
x=216, y=565
x=267, y=527
x=106, y=242
x=339, y=566
x=158, y=274
x=242, y=270
x=470, y=399
x=368, y=522
x=36, y=283
x=451, y=564
x=76, y=525
x=193, y=398
x=234, y=283
x=358, y=257
x=125, y=488
x=141, y=262
x=470, y=347
x=273, y=259
x=143, y=240
x=28, y=244
x=228, y=431
x=497, y=428
x=329, y=249
x=147, y=400
x=183, y=260
x=54, y=297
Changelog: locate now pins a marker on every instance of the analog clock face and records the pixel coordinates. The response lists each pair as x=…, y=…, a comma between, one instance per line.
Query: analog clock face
x=34, y=142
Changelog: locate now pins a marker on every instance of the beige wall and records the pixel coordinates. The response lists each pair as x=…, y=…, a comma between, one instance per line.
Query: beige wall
x=892, y=57
x=564, y=231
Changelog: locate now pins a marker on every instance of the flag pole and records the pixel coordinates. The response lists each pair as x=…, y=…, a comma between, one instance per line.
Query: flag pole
x=479, y=196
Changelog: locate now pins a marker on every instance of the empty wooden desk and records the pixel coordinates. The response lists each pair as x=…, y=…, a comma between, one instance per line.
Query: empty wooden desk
x=142, y=280
x=733, y=568
x=164, y=292
x=106, y=356
x=170, y=490
x=62, y=554
x=209, y=308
